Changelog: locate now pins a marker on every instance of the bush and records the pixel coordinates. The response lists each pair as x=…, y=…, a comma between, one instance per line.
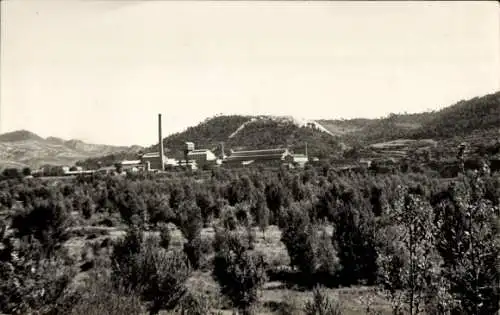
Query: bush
x=165, y=236
x=29, y=282
x=99, y=296
x=239, y=272
x=47, y=221
x=321, y=304
x=194, y=251
x=141, y=265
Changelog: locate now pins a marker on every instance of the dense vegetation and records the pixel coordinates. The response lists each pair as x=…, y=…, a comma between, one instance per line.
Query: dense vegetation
x=432, y=246
x=462, y=118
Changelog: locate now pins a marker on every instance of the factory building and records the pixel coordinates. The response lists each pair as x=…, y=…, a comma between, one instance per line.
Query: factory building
x=200, y=157
x=131, y=165
x=153, y=161
x=273, y=157
x=300, y=160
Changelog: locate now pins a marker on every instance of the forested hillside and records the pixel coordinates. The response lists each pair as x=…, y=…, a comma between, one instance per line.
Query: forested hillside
x=479, y=113
x=462, y=118
x=259, y=133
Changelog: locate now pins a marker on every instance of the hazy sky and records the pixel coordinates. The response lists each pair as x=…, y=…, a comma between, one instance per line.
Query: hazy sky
x=101, y=71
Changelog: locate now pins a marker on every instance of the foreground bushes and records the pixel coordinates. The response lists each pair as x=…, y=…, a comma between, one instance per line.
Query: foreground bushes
x=432, y=247
x=239, y=272
x=141, y=265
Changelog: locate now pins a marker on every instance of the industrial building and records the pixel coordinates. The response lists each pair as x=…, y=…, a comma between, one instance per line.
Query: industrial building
x=200, y=157
x=266, y=156
x=153, y=161
x=300, y=160
x=131, y=165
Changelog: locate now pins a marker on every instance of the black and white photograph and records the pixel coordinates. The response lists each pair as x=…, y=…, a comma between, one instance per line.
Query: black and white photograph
x=205, y=157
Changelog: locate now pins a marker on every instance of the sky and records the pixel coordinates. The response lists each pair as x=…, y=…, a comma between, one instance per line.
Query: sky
x=101, y=71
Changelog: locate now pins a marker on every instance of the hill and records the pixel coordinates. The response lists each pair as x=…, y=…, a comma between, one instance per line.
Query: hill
x=474, y=115
x=245, y=132
x=19, y=135
x=476, y=120
x=23, y=148
x=257, y=132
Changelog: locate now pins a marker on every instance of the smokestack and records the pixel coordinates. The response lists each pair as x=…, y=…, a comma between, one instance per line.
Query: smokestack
x=160, y=144
x=306, y=150
x=223, y=155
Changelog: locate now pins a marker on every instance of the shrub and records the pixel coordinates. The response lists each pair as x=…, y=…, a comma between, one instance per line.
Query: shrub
x=47, y=221
x=145, y=267
x=194, y=304
x=165, y=236
x=229, y=220
x=239, y=272
x=194, y=251
x=321, y=304
x=99, y=296
x=29, y=281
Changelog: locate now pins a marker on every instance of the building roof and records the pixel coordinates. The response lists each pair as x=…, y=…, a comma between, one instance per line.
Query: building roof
x=107, y=168
x=130, y=162
x=151, y=155
x=202, y=152
x=300, y=157
x=268, y=154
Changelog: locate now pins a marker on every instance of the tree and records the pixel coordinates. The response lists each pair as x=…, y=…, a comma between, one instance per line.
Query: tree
x=190, y=223
x=11, y=173
x=26, y=171
x=261, y=212
x=47, y=221
x=354, y=233
x=239, y=271
x=409, y=262
x=469, y=243
x=141, y=265
x=298, y=237
x=33, y=275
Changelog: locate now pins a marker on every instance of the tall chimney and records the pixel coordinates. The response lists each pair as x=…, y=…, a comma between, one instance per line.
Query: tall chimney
x=223, y=154
x=160, y=144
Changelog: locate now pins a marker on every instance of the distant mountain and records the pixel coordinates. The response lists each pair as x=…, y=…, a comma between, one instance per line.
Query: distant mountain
x=19, y=135
x=24, y=148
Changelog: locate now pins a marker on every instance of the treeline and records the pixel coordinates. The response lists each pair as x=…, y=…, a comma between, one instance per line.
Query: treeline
x=479, y=114
x=432, y=247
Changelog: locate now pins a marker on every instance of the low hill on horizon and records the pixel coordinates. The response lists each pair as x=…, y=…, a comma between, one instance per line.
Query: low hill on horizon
x=23, y=148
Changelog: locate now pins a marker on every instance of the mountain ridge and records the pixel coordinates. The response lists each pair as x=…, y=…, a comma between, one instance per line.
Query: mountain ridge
x=324, y=138
x=23, y=148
